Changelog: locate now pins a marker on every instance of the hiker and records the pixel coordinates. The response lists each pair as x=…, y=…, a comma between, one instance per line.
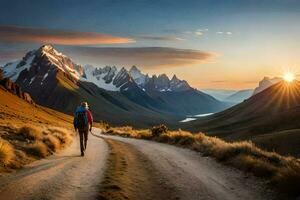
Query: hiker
x=83, y=121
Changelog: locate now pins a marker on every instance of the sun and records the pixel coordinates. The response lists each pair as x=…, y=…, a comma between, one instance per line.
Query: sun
x=289, y=77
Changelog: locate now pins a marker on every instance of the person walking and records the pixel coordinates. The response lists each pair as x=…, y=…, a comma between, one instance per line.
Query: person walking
x=83, y=122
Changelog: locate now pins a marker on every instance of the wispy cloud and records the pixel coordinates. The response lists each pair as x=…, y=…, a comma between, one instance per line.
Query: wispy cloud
x=54, y=36
x=198, y=33
x=202, y=30
x=161, y=38
x=224, y=32
x=148, y=57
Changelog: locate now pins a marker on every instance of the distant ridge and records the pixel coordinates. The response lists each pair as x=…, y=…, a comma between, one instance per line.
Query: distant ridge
x=254, y=112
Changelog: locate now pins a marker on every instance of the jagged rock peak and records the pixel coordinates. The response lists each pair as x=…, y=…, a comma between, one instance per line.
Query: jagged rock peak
x=174, y=78
x=134, y=68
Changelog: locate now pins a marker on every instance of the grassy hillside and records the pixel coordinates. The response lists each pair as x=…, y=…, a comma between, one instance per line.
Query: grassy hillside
x=29, y=132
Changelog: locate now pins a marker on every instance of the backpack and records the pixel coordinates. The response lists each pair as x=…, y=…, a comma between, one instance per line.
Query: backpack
x=82, y=120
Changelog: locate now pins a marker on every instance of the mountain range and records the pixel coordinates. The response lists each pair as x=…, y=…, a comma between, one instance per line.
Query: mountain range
x=232, y=96
x=238, y=96
x=116, y=95
x=220, y=94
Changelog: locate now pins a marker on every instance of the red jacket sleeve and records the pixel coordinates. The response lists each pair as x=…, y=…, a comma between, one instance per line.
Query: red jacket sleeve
x=90, y=117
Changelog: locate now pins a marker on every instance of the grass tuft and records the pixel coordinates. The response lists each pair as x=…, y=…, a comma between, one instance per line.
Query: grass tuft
x=6, y=153
x=38, y=149
x=62, y=134
x=52, y=142
x=31, y=132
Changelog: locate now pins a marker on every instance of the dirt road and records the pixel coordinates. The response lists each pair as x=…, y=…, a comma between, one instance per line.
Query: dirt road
x=136, y=169
x=177, y=173
x=62, y=176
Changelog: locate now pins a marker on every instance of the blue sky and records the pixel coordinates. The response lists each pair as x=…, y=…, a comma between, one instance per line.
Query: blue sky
x=245, y=40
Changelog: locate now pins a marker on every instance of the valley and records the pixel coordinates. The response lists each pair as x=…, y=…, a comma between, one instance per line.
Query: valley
x=149, y=100
x=46, y=86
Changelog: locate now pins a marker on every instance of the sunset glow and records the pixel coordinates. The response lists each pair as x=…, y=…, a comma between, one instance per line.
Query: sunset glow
x=187, y=38
x=289, y=77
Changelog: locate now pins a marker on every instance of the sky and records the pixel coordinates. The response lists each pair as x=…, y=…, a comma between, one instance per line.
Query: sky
x=221, y=44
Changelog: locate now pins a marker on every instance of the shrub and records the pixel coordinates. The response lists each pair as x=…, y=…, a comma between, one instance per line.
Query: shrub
x=62, y=134
x=6, y=152
x=104, y=125
x=181, y=138
x=38, y=149
x=144, y=134
x=31, y=133
x=52, y=142
x=158, y=130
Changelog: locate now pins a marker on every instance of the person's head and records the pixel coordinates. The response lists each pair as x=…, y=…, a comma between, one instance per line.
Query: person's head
x=85, y=105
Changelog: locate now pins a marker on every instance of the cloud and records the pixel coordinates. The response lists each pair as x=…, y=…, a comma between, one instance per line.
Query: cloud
x=202, y=30
x=54, y=36
x=198, y=33
x=222, y=32
x=147, y=57
x=161, y=38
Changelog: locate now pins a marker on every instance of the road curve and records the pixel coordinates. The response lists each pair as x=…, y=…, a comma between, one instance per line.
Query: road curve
x=191, y=176
x=63, y=176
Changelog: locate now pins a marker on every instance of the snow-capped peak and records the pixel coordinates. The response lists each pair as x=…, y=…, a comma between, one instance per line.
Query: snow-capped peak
x=13, y=69
x=102, y=77
x=60, y=61
x=49, y=49
x=137, y=75
x=44, y=57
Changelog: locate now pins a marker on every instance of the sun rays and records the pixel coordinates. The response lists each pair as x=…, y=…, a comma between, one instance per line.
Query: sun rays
x=289, y=77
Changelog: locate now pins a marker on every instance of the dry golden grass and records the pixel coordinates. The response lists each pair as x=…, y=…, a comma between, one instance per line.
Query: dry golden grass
x=6, y=153
x=128, y=131
x=31, y=132
x=52, y=142
x=38, y=149
x=281, y=171
x=53, y=137
x=31, y=142
x=63, y=134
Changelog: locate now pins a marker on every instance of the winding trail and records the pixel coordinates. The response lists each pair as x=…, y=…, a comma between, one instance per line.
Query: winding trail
x=63, y=176
x=123, y=168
